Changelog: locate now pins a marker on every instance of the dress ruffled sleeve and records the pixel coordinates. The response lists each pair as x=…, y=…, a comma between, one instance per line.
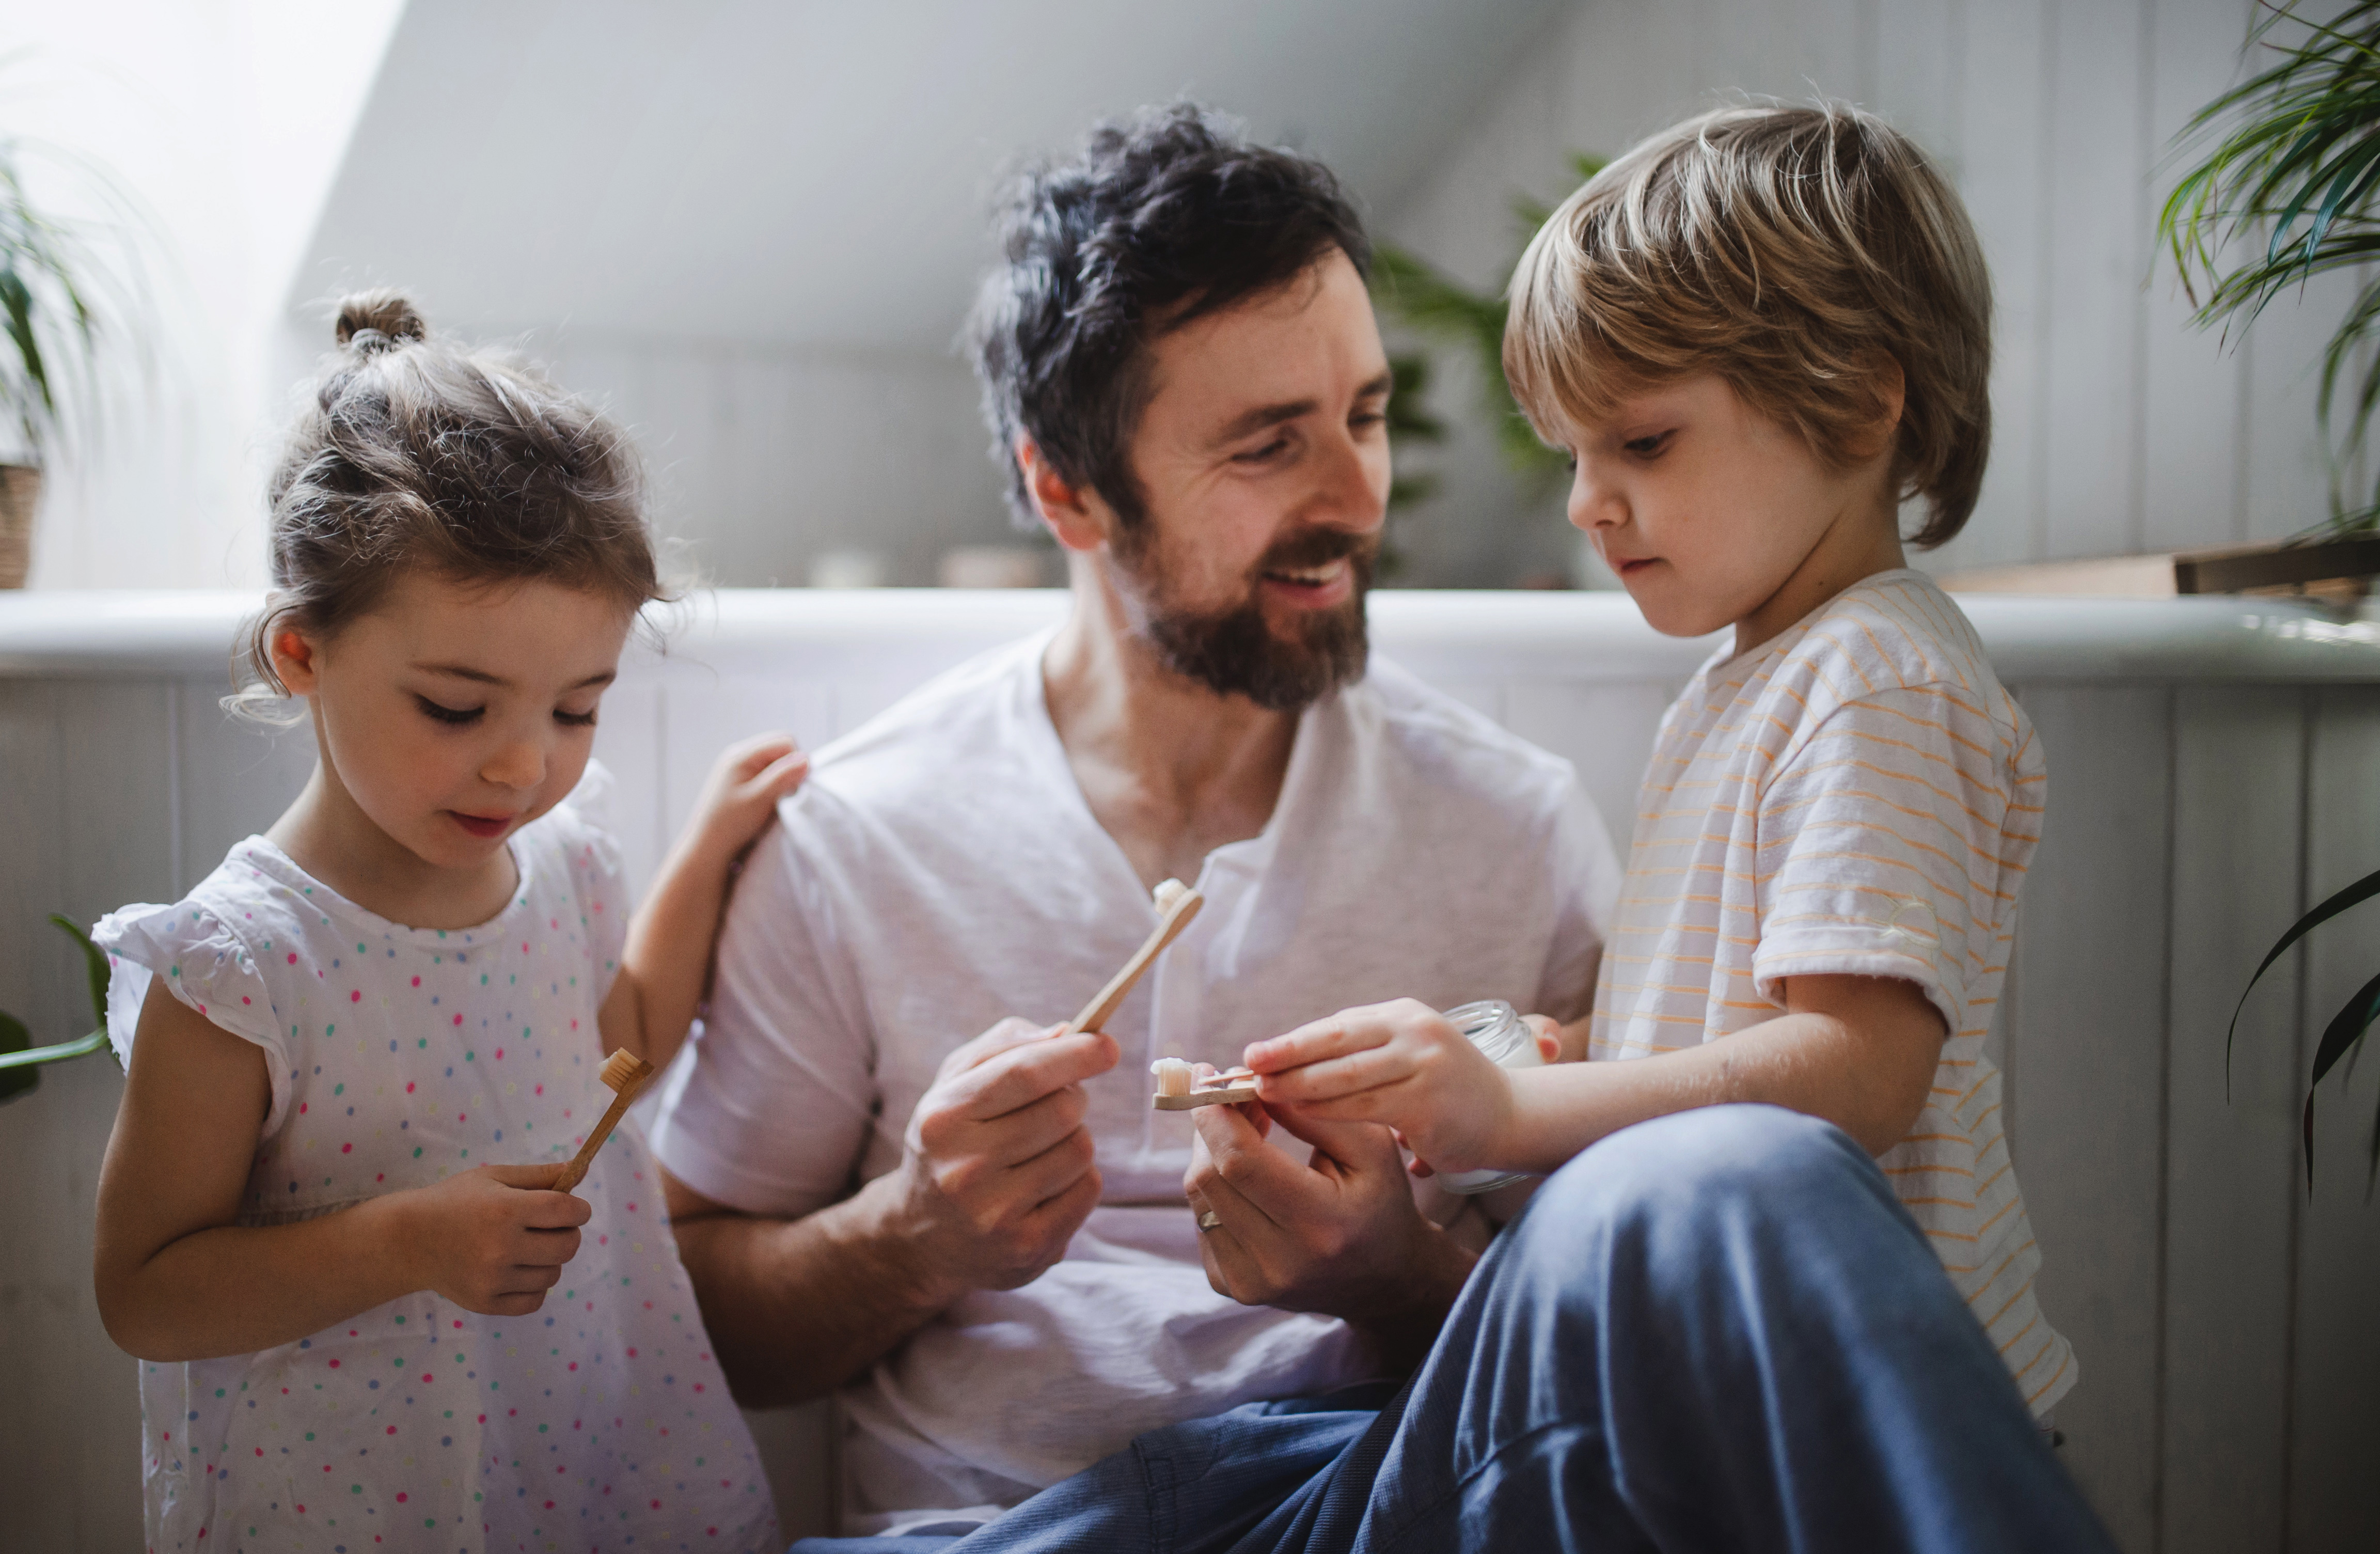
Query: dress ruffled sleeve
x=203, y=963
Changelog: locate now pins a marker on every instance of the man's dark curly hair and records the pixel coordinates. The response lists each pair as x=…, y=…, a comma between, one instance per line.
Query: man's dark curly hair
x=1161, y=219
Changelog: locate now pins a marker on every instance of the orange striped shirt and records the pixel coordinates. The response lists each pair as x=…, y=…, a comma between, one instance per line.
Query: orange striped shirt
x=1858, y=797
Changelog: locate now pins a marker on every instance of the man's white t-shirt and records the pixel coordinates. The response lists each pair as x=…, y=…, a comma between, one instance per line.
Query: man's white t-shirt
x=941, y=870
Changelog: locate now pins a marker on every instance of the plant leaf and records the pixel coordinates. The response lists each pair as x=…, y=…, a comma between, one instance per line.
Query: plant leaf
x=2362, y=890
x=2346, y=1027
x=94, y=961
x=15, y=1037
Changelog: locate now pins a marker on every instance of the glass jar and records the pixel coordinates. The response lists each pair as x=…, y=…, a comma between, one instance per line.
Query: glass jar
x=1500, y=1033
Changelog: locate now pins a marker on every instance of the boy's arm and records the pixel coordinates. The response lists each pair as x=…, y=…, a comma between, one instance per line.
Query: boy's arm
x=1859, y=1052
x=666, y=966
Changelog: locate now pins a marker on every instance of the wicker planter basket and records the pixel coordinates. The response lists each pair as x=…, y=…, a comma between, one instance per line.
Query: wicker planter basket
x=21, y=496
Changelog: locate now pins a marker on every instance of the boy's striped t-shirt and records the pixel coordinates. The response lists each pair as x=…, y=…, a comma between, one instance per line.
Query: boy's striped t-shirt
x=1859, y=795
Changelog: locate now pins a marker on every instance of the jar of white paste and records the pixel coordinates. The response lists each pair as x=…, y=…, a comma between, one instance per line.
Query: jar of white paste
x=1498, y=1030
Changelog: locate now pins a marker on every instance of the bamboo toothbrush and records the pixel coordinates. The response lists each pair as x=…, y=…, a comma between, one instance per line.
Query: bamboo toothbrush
x=1176, y=903
x=1179, y=1088
x=624, y=1072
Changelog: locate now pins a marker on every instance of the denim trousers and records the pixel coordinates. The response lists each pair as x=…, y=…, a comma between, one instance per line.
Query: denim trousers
x=1718, y=1331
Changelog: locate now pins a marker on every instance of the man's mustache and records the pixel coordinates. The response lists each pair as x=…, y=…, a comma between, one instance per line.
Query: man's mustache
x=1318, y=547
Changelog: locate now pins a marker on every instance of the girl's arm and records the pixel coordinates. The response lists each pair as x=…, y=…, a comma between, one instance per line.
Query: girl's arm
x=1858, y=1052
x=176, y=1279
x=666, y=966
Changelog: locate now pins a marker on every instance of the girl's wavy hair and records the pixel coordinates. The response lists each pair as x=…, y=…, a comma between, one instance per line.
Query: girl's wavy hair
x=1787, y=249
x=417, y=452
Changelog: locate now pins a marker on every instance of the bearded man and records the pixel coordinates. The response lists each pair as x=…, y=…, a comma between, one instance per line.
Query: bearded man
x=984, y=1244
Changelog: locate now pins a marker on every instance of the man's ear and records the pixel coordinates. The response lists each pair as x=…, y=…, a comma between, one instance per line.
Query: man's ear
x=296, y=658
x=1074, y=516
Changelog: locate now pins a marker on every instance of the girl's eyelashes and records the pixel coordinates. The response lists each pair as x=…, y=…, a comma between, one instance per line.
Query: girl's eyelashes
x=1648, y=445
x=457, y=716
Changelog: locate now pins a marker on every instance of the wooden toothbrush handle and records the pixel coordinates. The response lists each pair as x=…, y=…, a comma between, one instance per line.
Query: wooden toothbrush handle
x=576, y=1171
x=1096, y=1012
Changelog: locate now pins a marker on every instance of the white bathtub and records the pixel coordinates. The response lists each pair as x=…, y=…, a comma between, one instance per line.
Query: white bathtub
x=2214, y=765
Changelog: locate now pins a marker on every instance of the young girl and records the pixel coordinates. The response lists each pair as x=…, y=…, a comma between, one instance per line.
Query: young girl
x=361, y=1049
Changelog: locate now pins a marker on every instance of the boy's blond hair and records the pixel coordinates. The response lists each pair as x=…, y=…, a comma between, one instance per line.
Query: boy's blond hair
x=1787, y=249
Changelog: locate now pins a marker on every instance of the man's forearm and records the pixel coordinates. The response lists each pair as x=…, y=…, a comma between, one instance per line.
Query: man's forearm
x=796, y=1308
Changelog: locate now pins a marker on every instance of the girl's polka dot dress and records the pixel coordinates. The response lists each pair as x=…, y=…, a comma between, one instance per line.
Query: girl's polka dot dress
x=399, y=1056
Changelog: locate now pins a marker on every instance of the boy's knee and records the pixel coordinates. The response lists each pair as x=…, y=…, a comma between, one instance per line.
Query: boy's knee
x=1708, y=1170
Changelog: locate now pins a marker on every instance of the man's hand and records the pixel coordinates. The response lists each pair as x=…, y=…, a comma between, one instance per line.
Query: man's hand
x=998, y=1175
x=1338, y=1235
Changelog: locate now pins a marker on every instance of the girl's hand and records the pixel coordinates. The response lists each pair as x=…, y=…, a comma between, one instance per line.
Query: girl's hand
x=1401, y=1064
x=492, y=1240
x=741, y=794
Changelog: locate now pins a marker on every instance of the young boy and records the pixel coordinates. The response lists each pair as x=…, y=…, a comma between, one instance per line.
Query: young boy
x=1758, y=334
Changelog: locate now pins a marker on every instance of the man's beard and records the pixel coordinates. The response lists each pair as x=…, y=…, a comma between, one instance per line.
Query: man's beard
x=1235, y=653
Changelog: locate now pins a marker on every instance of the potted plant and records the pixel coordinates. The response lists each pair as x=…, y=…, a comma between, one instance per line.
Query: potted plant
x=55, y=314
x=2292, y=191
x=1435, y=304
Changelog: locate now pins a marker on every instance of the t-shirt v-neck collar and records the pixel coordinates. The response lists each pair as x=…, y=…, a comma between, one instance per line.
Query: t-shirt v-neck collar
x=1249, y=855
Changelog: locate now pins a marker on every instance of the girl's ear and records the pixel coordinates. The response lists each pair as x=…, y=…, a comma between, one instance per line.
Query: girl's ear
x=295, y=659
x=1072, y=514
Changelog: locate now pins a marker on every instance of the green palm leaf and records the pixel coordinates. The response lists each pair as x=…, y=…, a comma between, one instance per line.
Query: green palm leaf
x=2363, y=890
x=94, y=965
x=2296, y=161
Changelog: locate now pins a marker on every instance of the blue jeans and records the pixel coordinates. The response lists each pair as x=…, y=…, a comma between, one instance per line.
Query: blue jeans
x=1717, y=1330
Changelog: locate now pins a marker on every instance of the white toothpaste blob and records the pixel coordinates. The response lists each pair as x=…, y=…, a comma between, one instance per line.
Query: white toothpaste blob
x=1173, y=1076
x=1166, y=894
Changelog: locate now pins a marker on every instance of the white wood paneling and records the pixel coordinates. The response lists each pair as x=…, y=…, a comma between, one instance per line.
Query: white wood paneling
x=39, y=1294
x=2195, y=390
x=2090, y=1074
x=2337, y=1345
x=2001, y=165
x=234, y=775
x=1915, y=80
x=2098, y=240
x=2231, y=1169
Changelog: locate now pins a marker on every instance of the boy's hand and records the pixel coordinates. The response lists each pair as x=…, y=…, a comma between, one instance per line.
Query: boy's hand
x=492, y=1240
x=1401, y=1063
x=740, y=795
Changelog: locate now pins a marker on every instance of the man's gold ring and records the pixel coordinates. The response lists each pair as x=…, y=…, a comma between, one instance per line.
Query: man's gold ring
x=1210, y=1221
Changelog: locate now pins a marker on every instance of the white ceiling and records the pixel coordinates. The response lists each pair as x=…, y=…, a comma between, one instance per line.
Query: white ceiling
x=818, y=172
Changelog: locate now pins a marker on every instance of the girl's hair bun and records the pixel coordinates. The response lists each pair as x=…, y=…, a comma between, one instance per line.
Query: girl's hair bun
x=379, y=320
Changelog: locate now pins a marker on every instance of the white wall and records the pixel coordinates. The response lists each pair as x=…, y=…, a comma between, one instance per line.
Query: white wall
x=2119, y=429
x=225, y=119
x=763, y=458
